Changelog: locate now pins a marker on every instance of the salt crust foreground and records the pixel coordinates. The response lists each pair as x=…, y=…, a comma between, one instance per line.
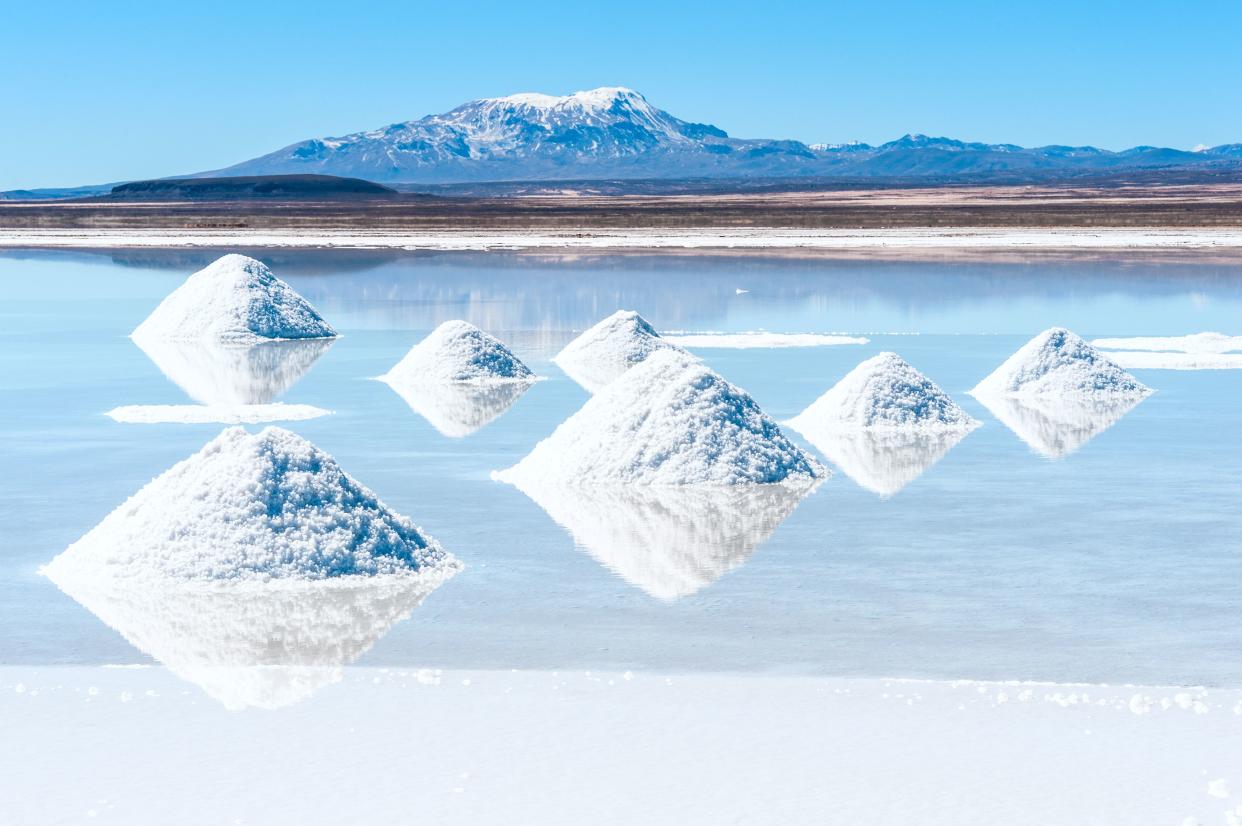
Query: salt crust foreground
x=669, y=420
x=608, y=349
x=251, y=508
x=1059, y=364
x=458, y=351
x=234, y=299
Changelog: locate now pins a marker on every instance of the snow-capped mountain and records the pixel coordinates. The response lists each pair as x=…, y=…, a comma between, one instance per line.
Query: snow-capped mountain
x=615, y=133
x=602, y=132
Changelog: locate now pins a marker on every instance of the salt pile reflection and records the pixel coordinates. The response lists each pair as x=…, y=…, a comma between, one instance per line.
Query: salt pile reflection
x=458, y=409
x=668, y=541
x=1055, y=427
x=884, y=461
x=255, y=645
x=213, y=373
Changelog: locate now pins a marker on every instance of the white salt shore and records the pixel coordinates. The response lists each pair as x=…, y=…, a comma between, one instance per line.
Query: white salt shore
x=561, y=747
x=930, y=238
x=608, y=349
x=1195, y=343
x=234, y=299
x=668, y=421
x=250, y=508
x=1136, y=360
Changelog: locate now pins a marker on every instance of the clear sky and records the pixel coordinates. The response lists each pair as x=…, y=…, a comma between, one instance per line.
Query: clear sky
x=105, y=91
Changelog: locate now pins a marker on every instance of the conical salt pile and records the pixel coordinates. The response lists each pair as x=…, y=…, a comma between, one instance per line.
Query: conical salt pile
x=457, y=351
x=884, y=392
x=608, y=349
x=668, y=421
x=1059, y=364
x=251, y=508
x=235, y=299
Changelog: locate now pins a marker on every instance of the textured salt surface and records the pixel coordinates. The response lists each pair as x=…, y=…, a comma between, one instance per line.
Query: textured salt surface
x=1137, y=360
x=214, y=414
x=215, y=373
x=234, y=299
x=457, y=351
x=1054, y=426
x=758, y=340
x=250, y=508
x=608, y=349
x=669, y=542
x=884, y=392
x=1195, y=343
x=670, y=420
x=257, y=645
x=457, y=409
x=1058, y=363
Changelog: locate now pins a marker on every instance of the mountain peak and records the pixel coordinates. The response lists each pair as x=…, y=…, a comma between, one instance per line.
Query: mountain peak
x=599, y=99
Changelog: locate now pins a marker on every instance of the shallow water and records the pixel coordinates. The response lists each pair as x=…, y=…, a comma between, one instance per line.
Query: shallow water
x=1071, y=549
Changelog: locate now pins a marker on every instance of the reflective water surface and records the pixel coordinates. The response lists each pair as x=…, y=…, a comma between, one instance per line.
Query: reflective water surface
x=1098, y=544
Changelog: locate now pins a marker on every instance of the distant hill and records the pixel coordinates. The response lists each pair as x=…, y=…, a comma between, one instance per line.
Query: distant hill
x=615, y=133
x=287, y=187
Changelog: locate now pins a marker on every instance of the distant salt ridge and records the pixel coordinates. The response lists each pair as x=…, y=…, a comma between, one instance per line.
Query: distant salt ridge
x=608, y=349
x=1059, y=364
x=759, y=339
x=884, y=392
x=1195, y=343
x=1139, y=360
x=669, y=420
x=215, y=413
x=458, y=351
x=252, y=508
x=236, y=299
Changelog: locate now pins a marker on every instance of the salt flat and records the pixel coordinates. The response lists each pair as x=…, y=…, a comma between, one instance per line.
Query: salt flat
x=477, y=747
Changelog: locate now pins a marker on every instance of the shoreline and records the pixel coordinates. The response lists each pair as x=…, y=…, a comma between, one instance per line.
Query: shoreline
x=958, y=240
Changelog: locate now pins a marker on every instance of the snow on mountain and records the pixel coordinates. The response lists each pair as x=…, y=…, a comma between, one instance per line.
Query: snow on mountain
x=616, y=133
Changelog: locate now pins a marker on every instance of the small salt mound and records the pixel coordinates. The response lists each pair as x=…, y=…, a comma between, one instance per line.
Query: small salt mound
x=608, y=349
x=457, y=351
x=251, y=507
x=1058, y=363
x=884, y=392
x=235, y=299
x=668, y=421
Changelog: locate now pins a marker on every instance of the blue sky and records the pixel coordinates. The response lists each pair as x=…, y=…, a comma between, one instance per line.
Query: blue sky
x=97, y=92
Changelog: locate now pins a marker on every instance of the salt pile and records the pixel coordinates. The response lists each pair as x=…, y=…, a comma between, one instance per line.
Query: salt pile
x=255, y=644
x=610, y=348
x=884, y=424
x=884, y=392
x=668, y=542
x=457, y=351
x=1058, y=363
x=251, y=508
x=668, y=421
x=235, y=299
x=459, y=378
